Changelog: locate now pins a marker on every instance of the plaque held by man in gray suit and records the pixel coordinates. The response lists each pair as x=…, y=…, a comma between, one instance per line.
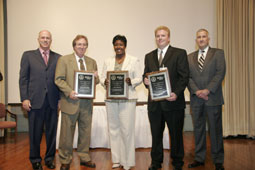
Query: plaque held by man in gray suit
x=84, y=84
x=160, y=87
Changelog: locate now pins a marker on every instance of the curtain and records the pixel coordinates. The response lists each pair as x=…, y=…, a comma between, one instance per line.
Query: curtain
x=2, y=87
x=2, y=58
x=235, y=34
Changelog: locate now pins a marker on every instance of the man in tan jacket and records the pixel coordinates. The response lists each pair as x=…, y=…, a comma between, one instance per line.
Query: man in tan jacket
x=75, y=109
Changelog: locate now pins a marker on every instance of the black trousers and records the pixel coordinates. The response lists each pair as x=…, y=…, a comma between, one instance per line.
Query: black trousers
x=38, y=119
x=174, y=120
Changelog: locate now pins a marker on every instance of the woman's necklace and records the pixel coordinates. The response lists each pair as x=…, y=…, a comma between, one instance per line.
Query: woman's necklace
x=120, y=60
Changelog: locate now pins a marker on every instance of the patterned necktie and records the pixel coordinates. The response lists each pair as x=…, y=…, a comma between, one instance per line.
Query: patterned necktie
x=201, y=61
x=160, y=57
x=81, y=65
x=45, y=58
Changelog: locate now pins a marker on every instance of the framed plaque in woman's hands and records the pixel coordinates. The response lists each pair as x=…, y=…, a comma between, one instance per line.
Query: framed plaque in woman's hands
x=84, y=84
x=117, y=87
x=160, y=87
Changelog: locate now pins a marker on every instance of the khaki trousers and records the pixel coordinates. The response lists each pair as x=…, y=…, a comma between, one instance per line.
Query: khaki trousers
x=68, y=123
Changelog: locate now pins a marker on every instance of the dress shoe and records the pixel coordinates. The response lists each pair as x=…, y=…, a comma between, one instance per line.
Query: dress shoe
x=195, y=164
x=37, y=166
x=126, y=167
x=116, y=165
x=89, y=164
x=50, y=164
x=177, y=168
x=219, y=166
x=154, y=167
x=65, y=167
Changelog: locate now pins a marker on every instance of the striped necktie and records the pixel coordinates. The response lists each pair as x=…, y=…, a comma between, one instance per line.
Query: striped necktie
x=201, y=61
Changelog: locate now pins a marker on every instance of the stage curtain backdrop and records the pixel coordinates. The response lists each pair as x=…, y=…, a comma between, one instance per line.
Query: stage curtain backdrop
x=2, y=91
x=235, y=31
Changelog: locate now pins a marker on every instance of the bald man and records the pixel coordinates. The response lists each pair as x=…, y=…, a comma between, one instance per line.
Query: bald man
x=207, y=71
x=39, y=97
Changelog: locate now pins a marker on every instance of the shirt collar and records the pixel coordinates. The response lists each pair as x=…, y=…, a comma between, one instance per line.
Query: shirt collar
x=164, y=49
x=205, y=50
x=77, y=57
x=47, y=51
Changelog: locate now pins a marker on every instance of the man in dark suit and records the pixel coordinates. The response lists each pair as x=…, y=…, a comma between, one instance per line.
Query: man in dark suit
x=207, y=70
x=39, y=96
x=170, y=110
x=74, y=109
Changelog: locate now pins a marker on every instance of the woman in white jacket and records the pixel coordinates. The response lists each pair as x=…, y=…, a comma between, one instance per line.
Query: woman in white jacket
x=121, y=112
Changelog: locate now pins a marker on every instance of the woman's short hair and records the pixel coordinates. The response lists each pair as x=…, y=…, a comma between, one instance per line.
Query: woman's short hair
x=121, y=38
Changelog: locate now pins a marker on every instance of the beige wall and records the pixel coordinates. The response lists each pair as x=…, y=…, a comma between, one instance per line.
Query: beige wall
x=101, y=20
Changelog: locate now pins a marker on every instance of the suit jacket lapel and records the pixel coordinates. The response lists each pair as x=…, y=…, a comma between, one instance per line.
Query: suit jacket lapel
x=167, y=55
x=89, y=66
x=39, y=57
x=112, y=63
x=73, y=62
x=125, y=63
x=50, y=58
x=209, y=56
x=155, y=59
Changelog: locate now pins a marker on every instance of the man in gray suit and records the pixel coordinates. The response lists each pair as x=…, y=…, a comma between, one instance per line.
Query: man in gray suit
x=39, y=97
x=207, y=70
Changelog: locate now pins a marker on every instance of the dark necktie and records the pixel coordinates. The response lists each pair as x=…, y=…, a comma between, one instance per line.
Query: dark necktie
x=81, y=65
x=201, y=61
x=45, y=58
x=160, y=57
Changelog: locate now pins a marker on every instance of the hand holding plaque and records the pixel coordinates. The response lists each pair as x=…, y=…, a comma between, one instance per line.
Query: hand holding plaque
x=160, y=87
x=84, y=84
x=117, y=87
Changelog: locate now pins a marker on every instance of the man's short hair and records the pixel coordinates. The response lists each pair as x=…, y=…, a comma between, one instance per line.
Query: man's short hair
x=80, y=37
x=44, y=31
x=165, y=28
x=203, y=29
